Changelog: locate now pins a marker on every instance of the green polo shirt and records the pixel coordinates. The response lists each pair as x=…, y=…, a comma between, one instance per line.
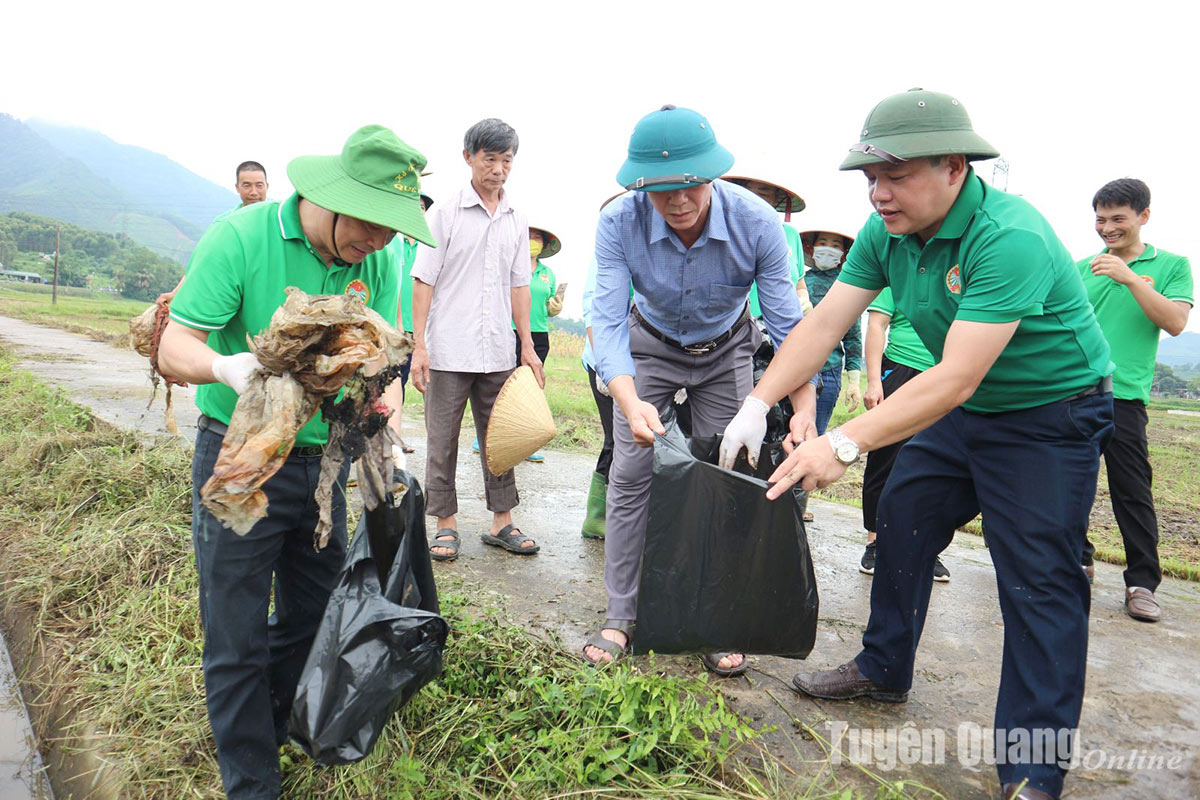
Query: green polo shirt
x=994, y=259
x=903, y=344
x=795, y=249
x=238, y=276
x=1132, y=336
x=404, y=252
x=542, y=286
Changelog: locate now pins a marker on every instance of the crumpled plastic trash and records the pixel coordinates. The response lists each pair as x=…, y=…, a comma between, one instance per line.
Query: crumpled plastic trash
x=723, y=568
x=145, y=333
x=312, y=347
x=381, y=638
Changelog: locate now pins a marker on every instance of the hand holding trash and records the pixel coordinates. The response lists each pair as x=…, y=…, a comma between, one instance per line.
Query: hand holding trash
x=601, y=386
x=747, y=429
x=643, y=422
x=235, y=371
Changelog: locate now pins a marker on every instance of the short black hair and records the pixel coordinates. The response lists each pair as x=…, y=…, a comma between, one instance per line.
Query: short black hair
x=249, y=166
x=491, y=136
x=1123, y=192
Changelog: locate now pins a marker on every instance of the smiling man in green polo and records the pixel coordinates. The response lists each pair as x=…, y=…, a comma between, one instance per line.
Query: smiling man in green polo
x=1138, y=291
x=1010, y=421
x=326, y=239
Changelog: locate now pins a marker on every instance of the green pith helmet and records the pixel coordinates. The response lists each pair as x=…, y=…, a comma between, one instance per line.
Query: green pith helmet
x=915, y=124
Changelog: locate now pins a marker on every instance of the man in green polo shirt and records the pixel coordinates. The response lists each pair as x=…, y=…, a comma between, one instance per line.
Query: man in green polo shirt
x=1009, y=421
x=1138, y=291
x=326, y=239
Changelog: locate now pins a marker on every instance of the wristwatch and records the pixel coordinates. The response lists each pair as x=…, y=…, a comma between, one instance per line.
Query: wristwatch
x=845, y=449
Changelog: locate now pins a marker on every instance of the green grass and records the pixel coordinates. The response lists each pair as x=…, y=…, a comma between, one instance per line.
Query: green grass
x=97, y=573
x=97, y=315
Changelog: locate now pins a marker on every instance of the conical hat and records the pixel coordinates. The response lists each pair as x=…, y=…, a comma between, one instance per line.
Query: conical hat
x=520, y=422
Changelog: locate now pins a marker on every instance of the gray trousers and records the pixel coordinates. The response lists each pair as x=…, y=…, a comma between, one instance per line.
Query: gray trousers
x=445, y=400
x=716, y=383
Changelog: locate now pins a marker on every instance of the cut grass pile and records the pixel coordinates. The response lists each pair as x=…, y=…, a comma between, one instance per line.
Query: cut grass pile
x=100, y=602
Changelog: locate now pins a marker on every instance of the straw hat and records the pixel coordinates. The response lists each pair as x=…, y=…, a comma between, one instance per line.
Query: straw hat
x=786, y=201
x=550, y=242
x=520, y=422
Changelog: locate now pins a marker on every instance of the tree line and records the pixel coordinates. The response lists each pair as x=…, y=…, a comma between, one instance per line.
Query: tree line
x=87, y=258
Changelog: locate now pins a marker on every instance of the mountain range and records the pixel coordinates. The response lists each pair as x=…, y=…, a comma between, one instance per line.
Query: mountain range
x=86, y=178
x=1180, y=350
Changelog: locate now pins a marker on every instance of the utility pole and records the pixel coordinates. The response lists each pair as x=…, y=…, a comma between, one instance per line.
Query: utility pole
x=57, y=242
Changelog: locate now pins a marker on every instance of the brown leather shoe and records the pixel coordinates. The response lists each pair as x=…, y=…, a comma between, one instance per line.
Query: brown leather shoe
x=843, y=683
x=1009, y=792
x=1141, y=605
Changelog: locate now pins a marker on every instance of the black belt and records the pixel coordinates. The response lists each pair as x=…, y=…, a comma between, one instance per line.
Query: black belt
x=700, y=348
x=1103, y=387
x=207, y=423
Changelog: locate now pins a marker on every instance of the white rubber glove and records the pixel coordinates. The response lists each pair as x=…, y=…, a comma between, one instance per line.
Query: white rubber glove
x=680, y=397
x=747, y=429
x=851, y=388
x=601, y=386
x=234, y=371
x=554, y=306
x=806, y=306
x=399, y=459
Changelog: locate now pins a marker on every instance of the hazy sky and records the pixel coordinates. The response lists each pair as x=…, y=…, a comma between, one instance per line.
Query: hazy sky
x=1072, y=94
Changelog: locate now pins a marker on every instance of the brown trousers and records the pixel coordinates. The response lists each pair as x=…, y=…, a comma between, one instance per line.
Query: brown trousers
x=445, y=400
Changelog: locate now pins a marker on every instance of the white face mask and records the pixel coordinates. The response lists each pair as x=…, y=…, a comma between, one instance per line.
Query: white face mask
x=825, y=257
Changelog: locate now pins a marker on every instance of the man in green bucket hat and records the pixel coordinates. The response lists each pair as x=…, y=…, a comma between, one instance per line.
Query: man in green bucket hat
x=691, y=246
x=1010, y=420
x=327, y=238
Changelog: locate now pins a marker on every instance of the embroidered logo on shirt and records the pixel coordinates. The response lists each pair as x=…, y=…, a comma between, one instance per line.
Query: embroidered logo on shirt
x=954, y=280
x=358, y=289
x=545, y=279
x=1148, y=280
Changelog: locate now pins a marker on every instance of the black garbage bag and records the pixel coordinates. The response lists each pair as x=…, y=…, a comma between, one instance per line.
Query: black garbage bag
x=723, y=569
x=381, y=638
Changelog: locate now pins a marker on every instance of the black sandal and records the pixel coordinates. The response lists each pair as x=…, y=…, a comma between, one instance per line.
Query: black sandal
x=450, y=543
x=510, y=538
x=712, y=662
x=598, y=641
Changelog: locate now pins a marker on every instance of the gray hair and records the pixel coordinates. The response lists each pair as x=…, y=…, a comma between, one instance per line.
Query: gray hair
x=492, y=136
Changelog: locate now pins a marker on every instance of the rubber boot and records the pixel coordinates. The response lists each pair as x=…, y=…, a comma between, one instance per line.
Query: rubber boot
x=593, y=523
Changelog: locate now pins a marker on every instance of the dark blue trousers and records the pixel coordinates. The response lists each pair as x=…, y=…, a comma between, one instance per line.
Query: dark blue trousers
x=1033, y=475
x=252, y=662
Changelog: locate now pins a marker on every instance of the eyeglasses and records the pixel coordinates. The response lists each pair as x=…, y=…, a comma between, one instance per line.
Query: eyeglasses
x=872, y=150
x=642, y=183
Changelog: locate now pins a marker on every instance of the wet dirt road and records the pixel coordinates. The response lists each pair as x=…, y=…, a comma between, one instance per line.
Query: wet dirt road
x=1142, y=701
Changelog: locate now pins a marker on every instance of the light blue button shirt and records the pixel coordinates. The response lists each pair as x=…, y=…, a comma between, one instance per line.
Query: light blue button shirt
x=690, y=294
x=589, y=292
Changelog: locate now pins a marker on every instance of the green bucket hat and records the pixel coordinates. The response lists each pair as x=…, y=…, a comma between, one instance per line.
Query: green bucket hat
x=550, y=243
x=375, y=179
x=915, y=124
x=673, y=148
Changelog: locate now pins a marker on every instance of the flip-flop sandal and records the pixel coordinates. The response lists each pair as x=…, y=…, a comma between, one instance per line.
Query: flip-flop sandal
x=510, y=538
x=808, y=516
x=615, y=650
x=712, y=662
x=450, y=543
x=406, y=448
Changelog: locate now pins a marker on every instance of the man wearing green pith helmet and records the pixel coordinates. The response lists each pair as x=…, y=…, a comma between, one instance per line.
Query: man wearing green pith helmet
x=1010, y=420
x=327, y=238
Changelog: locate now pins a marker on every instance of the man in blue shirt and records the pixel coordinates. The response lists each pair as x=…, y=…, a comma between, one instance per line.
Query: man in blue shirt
x=691, y=246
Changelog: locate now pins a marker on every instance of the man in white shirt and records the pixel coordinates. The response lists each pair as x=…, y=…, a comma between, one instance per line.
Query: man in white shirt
x=468, y=294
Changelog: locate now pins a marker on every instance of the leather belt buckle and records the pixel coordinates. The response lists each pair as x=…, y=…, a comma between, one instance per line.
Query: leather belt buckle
x=308, y=451
x=701, y=349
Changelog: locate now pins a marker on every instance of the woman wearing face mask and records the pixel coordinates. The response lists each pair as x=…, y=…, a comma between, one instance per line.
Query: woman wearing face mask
x=545, y=303
x=827, y=249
